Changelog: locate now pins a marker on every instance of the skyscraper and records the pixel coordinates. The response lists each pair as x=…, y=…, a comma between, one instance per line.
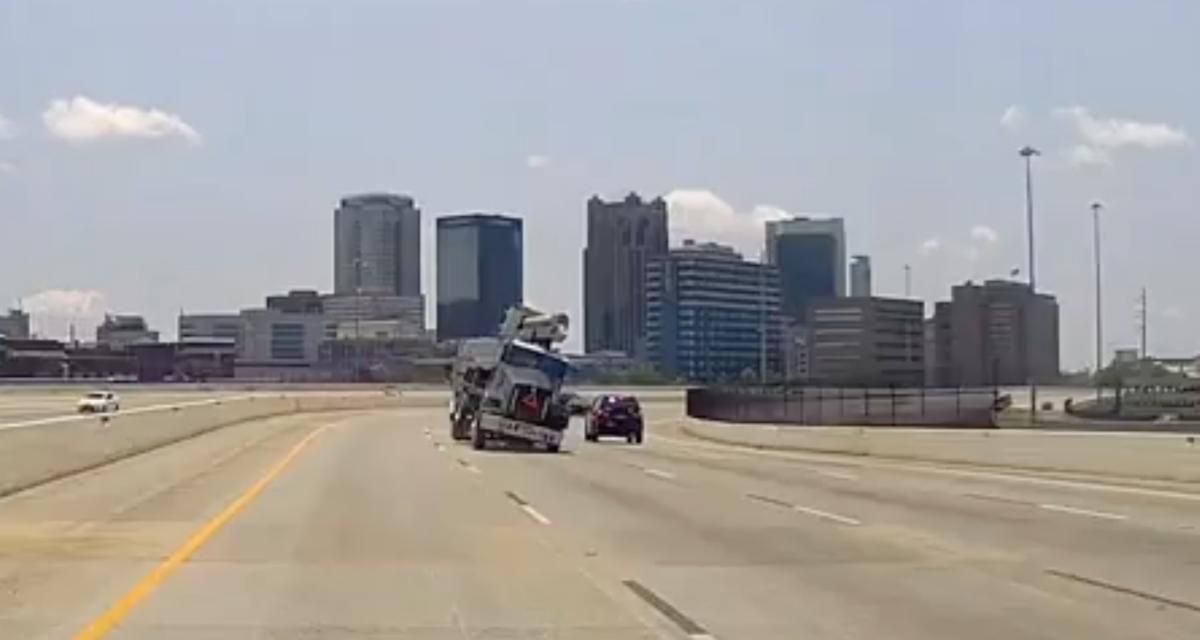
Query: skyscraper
x=811, y=257
x=712, y=316
x=377, y=245
x=622, y=236
x=860, y=277
x=480, y=271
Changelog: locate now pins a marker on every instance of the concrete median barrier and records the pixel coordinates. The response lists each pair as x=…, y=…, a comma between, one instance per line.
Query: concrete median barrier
x=39, y=451
x=1160, y=456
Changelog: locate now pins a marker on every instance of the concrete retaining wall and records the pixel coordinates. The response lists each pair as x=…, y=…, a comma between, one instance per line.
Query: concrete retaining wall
x=1173, y=457
x=49, y=449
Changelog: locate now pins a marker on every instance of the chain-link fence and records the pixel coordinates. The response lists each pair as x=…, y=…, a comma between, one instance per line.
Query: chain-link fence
x=820, y=405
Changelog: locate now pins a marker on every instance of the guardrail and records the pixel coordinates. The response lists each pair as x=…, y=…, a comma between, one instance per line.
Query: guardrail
x=862, y=406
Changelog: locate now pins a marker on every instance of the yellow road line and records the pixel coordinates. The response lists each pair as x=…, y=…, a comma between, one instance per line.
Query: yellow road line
x=103, y=625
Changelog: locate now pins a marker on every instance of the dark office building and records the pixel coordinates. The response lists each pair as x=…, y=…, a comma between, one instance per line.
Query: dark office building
x=480, y=271
x=981, y=336
x=811, y=257
x=711, y=316
x=866, y=341
x=622, y=237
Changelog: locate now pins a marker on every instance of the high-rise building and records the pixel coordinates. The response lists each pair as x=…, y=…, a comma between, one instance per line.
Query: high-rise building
x=377, y=245
x=712, y=316
x=860, y=277
x=622, y=237
x=811, y=257
x=480, y=272
x=867, y=341
x=985, y=334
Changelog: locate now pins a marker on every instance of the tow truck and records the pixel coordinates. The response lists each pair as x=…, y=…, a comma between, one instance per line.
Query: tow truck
x=509, y=388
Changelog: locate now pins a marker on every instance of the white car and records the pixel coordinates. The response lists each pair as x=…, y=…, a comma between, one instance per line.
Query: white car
x=99, y=402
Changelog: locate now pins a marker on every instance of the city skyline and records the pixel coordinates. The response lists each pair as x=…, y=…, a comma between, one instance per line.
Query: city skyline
x=209, y=192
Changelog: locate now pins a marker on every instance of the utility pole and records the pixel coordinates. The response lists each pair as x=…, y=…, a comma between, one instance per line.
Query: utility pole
x=762, y=322
x=1096, y=206
x=1142, y=323
x=1027, y=152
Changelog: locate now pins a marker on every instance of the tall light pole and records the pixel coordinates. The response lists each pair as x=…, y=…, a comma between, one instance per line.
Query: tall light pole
x=1096, y=207
x=356, y=361
x=1028, y=153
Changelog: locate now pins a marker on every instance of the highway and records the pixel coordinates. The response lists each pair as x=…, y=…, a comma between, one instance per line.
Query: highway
x=373, y=524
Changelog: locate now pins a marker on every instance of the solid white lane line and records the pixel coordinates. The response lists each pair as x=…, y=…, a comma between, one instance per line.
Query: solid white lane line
x=658, y=473
x=535, y=514
x=1082, y=512
x=827, y=515
x=840, y=475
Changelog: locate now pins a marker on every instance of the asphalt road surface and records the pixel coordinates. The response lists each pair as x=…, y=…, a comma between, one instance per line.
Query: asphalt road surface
x=375, y=525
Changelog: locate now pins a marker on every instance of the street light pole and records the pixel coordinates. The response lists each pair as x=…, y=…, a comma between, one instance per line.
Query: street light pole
x=1028, y=153
x=1096, y=206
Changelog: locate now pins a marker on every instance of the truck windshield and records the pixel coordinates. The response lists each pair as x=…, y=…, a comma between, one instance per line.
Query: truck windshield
x=518, y=356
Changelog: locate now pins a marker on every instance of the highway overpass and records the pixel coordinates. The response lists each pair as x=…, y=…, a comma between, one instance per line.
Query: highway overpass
x=371, y=523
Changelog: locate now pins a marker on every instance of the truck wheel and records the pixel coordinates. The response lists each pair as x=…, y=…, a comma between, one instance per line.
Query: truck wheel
x=638, y=437
x=552, y=448
x=478, y=438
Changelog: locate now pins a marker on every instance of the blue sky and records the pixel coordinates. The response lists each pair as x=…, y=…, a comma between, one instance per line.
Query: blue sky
x=890, y=114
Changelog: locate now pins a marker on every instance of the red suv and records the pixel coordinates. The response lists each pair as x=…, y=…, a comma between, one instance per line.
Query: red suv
x=613, y=415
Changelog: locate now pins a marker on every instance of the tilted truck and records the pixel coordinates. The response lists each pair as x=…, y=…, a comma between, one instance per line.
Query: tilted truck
x=509, y=388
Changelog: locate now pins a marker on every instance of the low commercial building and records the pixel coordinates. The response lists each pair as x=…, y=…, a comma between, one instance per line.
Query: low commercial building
x=119, y=332
x=204, y=358
x=281, y=345
x=297, y=301
x=403, y=316
x=996, y=333
x=227, y=326
x=712, y=316
x=869, y=341
x=15, y=325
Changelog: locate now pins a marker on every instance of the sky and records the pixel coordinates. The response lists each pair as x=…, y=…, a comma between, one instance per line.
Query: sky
x=165, y=155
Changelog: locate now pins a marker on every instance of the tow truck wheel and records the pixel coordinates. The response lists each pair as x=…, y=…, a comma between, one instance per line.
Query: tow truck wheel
x=552, y=448
x=478, y=438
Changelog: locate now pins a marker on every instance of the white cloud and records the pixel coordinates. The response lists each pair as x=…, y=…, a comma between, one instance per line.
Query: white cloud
x=66, y=302
x=930, y=246
x=536, y=161
x=54, y=311
x=1013, y=118
x=7, y=168
x=1081, y=155
x=7, y=130
x=985, y=234
x=1116, y=133
x=81, y=119
x=702, y=215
